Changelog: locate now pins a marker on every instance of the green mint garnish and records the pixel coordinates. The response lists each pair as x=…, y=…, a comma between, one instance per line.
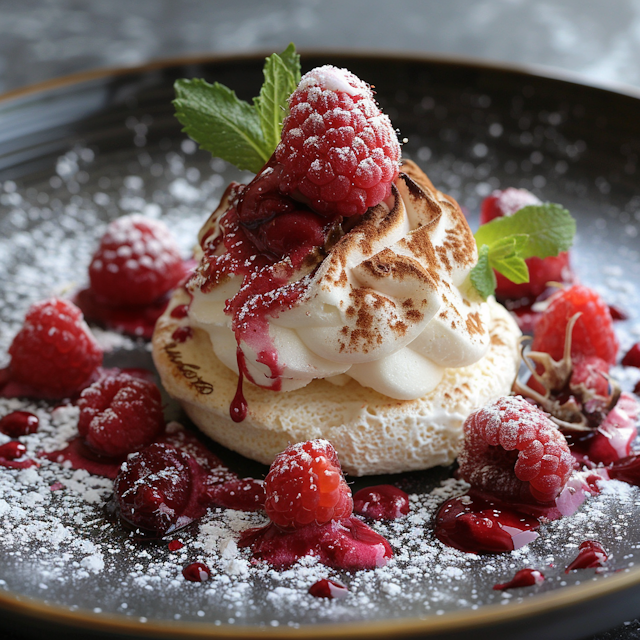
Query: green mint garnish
x=241, y=133
x=505, y=243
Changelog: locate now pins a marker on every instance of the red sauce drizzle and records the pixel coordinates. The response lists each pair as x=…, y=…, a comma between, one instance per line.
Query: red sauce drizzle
x=523, y=578
x=238, y=408
x=330, y=589
x=347, y=544
x=590, y=554
x=626, y=470
x=180, y=311
x=182, y=334
x=19, y=423
x=255, y=248
x=196, y=572
x=381, y=502
x=477, y=523
x=10, y=454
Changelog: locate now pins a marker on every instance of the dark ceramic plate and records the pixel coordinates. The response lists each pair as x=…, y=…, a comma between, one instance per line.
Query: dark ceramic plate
x=77, y=152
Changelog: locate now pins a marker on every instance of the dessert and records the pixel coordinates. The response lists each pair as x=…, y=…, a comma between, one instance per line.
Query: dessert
x=197, y=490
x=333, y=299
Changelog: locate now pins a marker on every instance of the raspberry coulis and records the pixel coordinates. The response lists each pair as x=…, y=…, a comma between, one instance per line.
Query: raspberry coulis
x=175, y=545
x=381, y=502
x=347, y=544
x=329, y=589
x=10, y=454
x=19, y=423
x=266, y=259
x=591, y=554
x=196, y=572
x=477, y=523
x=523, y=578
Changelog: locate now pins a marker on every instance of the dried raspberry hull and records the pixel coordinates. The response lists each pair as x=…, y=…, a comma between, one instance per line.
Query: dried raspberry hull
x=54, y=352
x=513, y=451
x=593, y=333
x=305, y=485
x=338, y=151
x=120, y=414
x=137, y=262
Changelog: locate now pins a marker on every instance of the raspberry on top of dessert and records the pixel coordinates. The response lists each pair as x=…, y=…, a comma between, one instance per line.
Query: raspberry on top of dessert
x=329, y=263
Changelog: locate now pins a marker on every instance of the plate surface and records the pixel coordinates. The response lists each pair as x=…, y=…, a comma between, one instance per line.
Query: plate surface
x=79, y=153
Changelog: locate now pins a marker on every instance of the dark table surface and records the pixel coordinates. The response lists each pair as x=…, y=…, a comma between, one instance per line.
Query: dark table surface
x=44, y=39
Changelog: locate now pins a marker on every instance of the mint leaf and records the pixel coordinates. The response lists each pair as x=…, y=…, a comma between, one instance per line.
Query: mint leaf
x=549, y=227
x=243, y=134
x=505, y=257
x=505, y=243
x=221, y=123
x=292, y=61
x=512, y=267
x=482, y=277
x=272, y=104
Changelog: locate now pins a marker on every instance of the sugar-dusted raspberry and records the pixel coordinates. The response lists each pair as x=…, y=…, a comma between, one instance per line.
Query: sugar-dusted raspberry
x=588, y=377
x=632, y=357
x=338, y=151
x=120, y=414
x=505, y=203
x=593, y=333
x=305, y=485
x=54, y=352
x=541, y=270
x=154, y=487
x=137, y=262
x=512, y=450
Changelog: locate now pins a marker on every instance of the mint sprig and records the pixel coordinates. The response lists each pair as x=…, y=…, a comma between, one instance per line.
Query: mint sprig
x=505, y=243
x=241, y=133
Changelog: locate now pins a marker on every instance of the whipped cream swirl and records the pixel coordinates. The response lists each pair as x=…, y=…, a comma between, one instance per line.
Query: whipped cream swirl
x=387, y=303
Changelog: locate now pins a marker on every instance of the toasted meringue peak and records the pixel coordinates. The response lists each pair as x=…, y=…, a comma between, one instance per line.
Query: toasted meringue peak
x=389, y=304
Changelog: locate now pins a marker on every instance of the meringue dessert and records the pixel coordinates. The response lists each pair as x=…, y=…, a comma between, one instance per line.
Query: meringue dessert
x=356, y=323
x=390, y=383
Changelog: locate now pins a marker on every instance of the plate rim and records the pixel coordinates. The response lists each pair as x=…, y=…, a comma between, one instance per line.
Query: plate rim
x=525, y=69
x=449, y=622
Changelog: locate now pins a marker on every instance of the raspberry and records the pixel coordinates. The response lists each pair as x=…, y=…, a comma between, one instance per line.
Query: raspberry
x=305, y=485
x=338, y=151
x=54, y=352
x=505, y=203
x=588, y=377
x=153, y=489
x=120, y=414
x=592, y=334
x=137, y=262
x=541, y=270
x=632, y=357
x=515, y=452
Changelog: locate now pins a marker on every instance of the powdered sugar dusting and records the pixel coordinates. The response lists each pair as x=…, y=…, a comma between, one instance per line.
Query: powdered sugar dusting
x=54, y=539
x=75, y=549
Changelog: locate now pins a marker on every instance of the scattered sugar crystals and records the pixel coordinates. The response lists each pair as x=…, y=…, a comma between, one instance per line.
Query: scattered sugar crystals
x=55, y=540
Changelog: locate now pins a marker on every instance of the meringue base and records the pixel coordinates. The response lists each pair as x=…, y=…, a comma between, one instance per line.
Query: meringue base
x=372, y=433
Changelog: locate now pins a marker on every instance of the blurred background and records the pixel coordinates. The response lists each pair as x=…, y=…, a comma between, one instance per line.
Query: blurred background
x=42, y=39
